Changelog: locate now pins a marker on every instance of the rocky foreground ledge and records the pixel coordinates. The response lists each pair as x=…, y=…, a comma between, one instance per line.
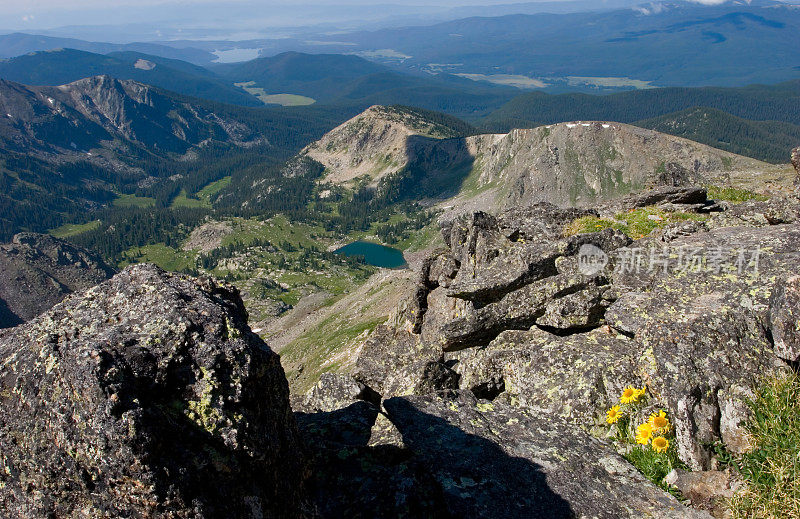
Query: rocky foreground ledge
x=485, y=395
x=146, y=396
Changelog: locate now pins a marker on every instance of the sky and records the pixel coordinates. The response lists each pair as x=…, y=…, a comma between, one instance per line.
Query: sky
x=31, y=15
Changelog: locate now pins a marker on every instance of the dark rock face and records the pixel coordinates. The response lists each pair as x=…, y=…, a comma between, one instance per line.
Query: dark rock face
x=146, y=396
x=37, y=271
x=453, y=455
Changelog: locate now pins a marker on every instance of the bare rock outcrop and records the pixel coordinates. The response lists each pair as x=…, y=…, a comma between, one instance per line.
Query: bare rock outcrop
x=146, y=396
x=516, y=312
x=37, y=271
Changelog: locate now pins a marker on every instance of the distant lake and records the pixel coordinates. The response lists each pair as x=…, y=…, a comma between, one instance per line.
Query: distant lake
x=374, y=254
x=236, y=55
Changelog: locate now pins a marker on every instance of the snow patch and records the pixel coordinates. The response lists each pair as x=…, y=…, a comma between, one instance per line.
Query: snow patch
x=606, y=126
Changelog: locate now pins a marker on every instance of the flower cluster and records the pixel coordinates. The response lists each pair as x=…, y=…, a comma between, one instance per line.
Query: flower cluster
x=630, y=396
x=653, y=432
x=648, y=443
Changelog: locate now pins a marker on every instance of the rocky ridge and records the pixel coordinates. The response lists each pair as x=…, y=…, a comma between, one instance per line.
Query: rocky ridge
x=98, y=114
x=692, y=312
x=37, y=271
x=483, y=396
x=582, y=163
x=508, y=317
x=380, y=142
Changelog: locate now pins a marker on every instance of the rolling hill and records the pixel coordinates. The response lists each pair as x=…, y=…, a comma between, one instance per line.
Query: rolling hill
x=767, y=140
x=350, y=81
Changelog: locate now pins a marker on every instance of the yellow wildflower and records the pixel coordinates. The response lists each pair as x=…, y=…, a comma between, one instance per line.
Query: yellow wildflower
x=643, y=434
x=640, y=392
x=614, y=414
x=659, y=422
x=660, y=444
x=631, y=395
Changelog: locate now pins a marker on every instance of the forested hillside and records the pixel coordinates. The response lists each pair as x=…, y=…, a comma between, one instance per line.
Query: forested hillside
x=68, y=151
x=765, y=140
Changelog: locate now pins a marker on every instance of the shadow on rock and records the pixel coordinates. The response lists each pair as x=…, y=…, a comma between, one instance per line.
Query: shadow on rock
x=476, y=477
x=364, y=466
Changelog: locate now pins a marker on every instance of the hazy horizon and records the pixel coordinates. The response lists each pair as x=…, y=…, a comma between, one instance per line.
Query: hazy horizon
x=129, y=20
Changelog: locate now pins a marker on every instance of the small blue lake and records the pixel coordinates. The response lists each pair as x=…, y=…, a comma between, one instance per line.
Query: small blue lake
x=374, y=254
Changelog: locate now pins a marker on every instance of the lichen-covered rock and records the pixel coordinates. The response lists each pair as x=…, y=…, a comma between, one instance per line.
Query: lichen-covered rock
x=146, y=396
x=759, y=213
x=784, y=319
x=396, y=362
x=707, y=490
x=691, y=312
x=698, y=310
x=37, y=271
x=334, y=391
x=796, y=164
x=572, y=377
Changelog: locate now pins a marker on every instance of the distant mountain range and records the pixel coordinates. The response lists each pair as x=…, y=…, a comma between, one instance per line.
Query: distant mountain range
x=349, y=80
x=677, y=43
x=58, y=67
x=17, y=44
x=576, y=46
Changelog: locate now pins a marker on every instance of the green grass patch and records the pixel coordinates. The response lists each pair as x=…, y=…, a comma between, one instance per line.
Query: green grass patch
x=184, y=200
x=315, y=348
x=656, y=465
x=275, y=99
x=428, y=236
x=636, y=223
x=278, y=230
x=72, y=229
x=733, y=194
x=771, y=470
x=125, y=200
x=213, y=188
x=165, y=257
